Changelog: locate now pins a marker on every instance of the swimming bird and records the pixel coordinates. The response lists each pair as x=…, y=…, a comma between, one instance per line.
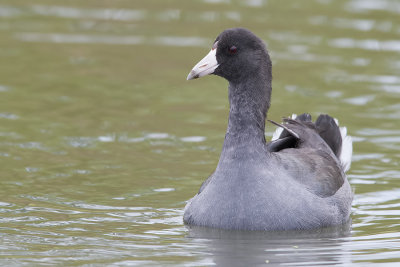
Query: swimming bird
x=296, y=181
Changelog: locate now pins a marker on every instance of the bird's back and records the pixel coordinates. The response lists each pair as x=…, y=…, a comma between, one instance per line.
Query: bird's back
x=299, y=187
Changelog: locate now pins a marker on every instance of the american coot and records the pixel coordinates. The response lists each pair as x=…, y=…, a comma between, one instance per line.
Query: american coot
x=296, y=181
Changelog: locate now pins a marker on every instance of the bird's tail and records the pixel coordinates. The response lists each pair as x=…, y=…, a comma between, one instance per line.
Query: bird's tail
x=328, y=129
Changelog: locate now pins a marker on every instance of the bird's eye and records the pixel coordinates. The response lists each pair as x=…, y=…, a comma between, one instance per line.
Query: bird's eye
x=232, y=50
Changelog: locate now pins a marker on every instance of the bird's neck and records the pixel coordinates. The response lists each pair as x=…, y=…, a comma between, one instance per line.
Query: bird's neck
x=249, y=102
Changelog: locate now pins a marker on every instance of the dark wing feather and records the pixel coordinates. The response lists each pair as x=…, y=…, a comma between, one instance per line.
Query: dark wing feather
x=312, y=159
x=282, y=143
x=330, y=132
x=325, y=126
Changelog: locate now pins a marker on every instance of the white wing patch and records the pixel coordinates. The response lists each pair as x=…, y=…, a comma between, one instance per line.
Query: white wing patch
x=279, y=130
x=277, y=133
x=347, y=148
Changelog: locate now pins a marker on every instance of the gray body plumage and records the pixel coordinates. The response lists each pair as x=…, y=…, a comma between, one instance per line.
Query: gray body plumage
x=256, y=185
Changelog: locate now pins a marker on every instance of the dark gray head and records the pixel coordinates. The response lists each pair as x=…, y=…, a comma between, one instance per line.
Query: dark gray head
x=237, y=54
x=240, y=57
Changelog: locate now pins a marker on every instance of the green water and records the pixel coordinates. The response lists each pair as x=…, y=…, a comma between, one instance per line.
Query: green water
x=102, y=139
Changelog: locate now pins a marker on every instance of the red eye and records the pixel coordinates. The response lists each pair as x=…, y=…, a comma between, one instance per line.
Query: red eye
x=232, y=50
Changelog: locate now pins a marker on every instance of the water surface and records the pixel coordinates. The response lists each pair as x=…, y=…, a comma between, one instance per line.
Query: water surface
x=102, y=140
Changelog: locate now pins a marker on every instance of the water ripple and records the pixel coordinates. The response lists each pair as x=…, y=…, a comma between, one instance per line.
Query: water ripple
x=368, y=44
x=368, y=5
x=106, y=14
x=9, y=116
x=79, y=38
x=360, y=100
x=4, y=88
x=177, y=41
x=193, y=139
x=376, y=176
